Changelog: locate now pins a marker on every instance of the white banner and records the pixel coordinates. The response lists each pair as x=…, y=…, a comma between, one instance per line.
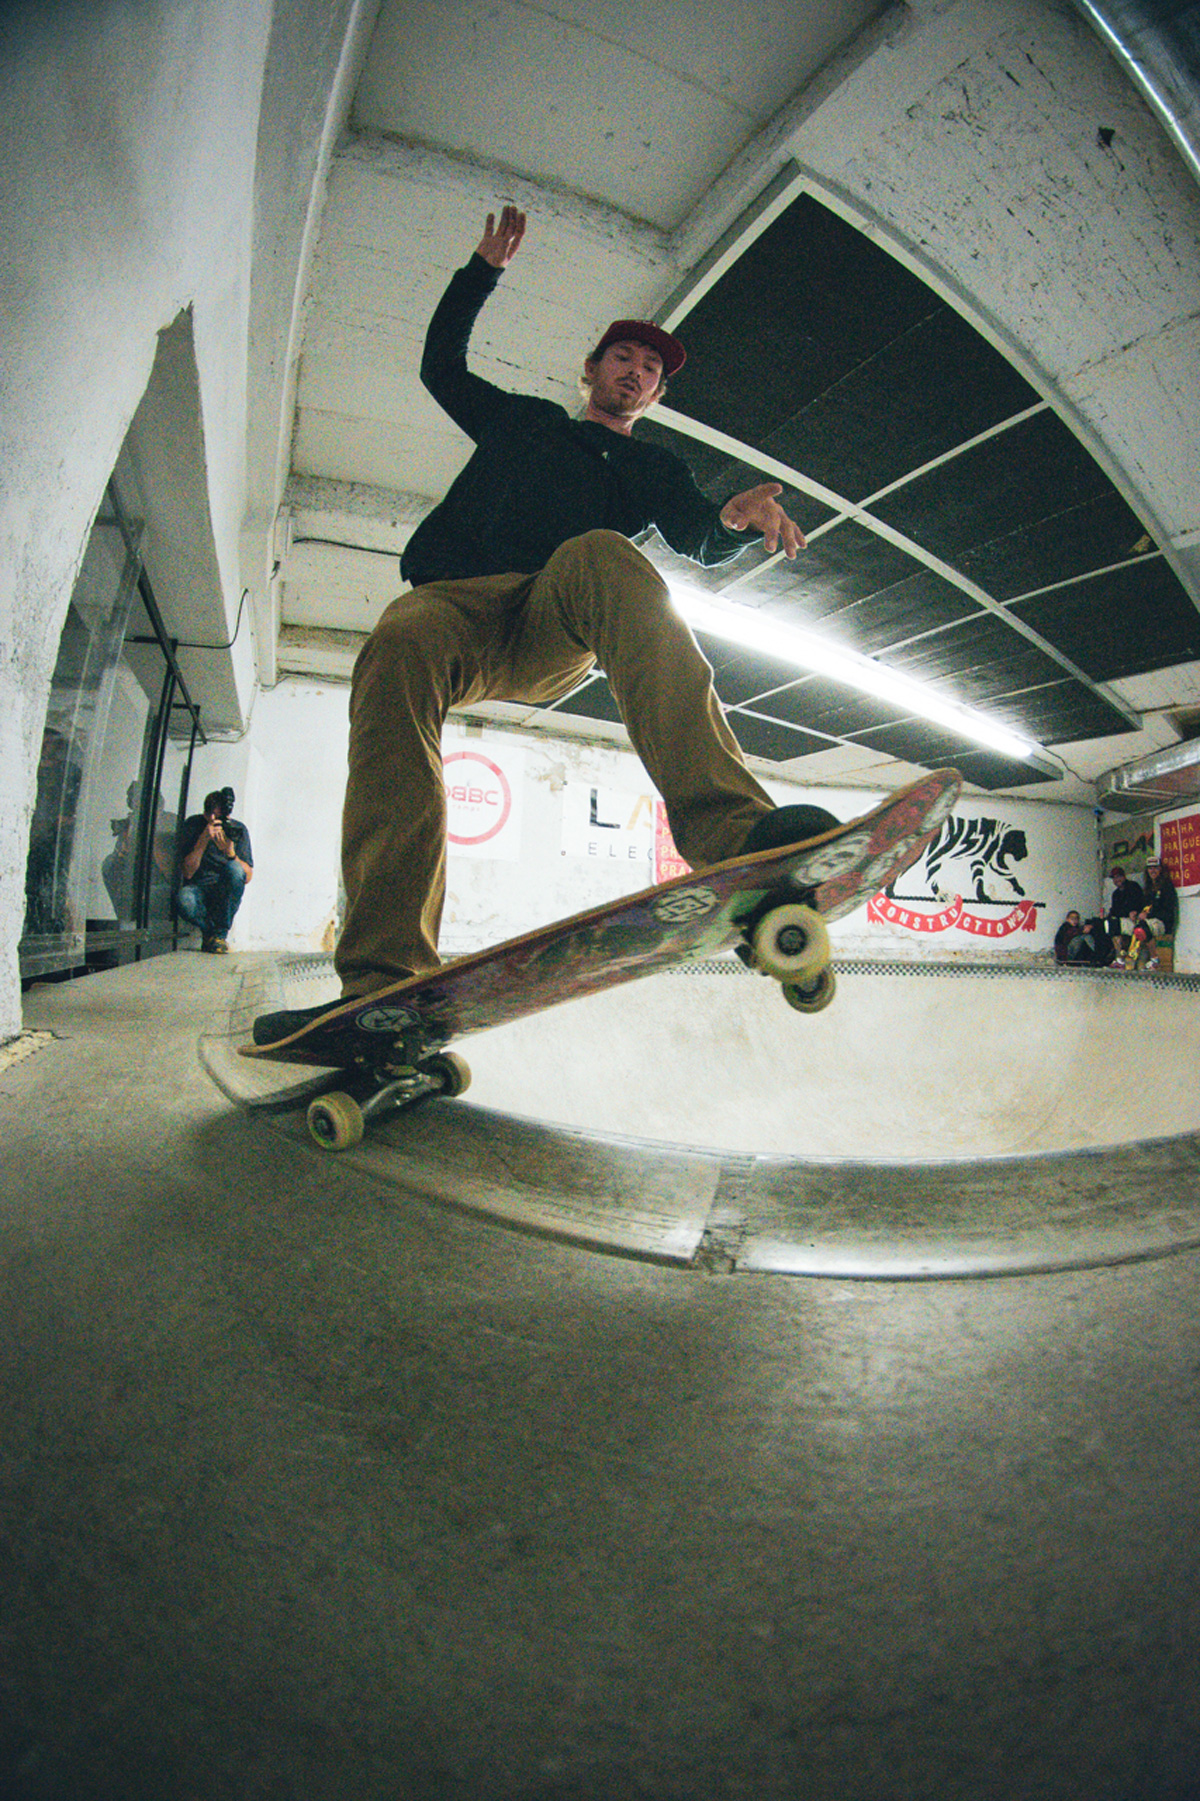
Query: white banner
x=612, y=825
x=483, y=802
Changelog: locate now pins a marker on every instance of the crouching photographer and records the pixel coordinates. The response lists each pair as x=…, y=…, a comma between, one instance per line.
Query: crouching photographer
x=217, y=862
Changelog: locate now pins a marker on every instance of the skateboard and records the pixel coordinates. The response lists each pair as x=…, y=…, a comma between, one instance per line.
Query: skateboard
x=769, y=908
x=1138, y=956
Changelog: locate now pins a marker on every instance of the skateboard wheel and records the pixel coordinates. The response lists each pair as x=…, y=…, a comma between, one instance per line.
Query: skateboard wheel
x=335, y=1121
x=791, y=942
x=811, y=997
x=451, y=1070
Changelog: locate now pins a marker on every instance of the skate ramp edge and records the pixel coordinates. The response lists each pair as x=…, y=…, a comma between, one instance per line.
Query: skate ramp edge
x=910, y=1062
x=965, y=1095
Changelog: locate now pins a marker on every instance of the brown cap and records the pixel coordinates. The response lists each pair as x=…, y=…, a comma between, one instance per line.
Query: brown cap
x=643, y=331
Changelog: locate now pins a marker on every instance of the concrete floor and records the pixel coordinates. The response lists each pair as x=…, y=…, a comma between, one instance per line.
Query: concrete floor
x=314, y=1492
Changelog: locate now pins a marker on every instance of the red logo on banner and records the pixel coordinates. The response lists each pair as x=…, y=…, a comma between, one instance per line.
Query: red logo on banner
x=478, y=798
x=1023, y=918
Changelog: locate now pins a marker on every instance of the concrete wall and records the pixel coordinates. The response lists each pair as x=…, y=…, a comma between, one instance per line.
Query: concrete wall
x=126, y=192
x=142, y=148
x=1187, y=935
x=290, y=775
x=581, y=831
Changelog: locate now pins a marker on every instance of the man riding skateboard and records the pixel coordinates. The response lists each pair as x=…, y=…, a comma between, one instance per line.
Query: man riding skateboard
x=524, y=578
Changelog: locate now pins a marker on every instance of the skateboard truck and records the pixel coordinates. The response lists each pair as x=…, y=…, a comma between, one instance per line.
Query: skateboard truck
x=339, y=1119
x=785, y=937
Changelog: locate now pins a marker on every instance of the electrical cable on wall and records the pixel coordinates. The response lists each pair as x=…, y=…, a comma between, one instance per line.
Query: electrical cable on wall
x=182, y=644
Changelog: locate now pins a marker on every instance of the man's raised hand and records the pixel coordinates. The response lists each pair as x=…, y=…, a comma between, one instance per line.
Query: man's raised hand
x=759, y=509
x=500, y=243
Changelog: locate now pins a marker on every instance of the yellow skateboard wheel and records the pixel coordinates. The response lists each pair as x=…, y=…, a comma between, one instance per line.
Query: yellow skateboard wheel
x=811, y=997
x=791, y=942
x=335, y=1121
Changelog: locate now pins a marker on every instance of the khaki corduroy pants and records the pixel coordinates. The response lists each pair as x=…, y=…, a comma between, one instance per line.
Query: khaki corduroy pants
x=529, y=639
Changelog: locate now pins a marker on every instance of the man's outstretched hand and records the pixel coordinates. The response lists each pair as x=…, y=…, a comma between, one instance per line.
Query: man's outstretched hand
x=758, y=510
x=500, y=243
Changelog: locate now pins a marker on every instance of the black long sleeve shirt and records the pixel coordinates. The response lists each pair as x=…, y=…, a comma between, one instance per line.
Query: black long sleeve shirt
x=537, y=476
x=1163, y=903
x=1127, y=899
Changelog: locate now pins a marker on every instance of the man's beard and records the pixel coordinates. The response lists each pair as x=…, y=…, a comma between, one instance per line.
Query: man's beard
x=618, y=402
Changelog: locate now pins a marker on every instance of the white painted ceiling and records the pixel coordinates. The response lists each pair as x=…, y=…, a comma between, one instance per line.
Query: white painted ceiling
x=634, y=103
x=635, y=135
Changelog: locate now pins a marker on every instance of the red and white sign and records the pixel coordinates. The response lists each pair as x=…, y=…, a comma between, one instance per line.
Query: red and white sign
x=667, y=861
x=955, y=917
x=483, y=802
x=1179, y=848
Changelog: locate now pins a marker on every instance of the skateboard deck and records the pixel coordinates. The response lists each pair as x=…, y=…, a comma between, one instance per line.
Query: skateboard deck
x=770, y=908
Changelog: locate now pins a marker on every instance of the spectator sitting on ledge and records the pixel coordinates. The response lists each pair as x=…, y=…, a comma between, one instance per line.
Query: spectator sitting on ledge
x=1067, y=934
x=1158, y=918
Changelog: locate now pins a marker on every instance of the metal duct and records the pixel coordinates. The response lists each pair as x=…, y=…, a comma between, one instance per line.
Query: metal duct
x=1157, y=43
x=1165, y=779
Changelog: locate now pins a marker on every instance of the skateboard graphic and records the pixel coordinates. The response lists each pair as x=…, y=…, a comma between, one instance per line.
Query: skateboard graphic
x=770, y=908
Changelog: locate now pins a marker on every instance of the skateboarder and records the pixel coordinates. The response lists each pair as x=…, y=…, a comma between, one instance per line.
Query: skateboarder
x=524, y=578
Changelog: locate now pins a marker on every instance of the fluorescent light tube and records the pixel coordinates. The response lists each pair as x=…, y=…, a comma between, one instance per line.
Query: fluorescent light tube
x=756, y=631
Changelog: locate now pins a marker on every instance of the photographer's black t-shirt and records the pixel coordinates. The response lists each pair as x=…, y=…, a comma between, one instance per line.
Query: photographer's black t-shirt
x=214, y=860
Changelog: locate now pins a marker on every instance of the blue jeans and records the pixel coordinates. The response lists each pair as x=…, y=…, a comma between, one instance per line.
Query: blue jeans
x=211, y=898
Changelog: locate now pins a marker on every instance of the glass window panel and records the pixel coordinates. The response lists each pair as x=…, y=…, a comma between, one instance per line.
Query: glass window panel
x=61, y=832
x=102, y=863
x=165, y=851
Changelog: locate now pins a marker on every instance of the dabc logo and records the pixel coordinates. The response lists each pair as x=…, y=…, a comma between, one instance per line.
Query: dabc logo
x=478, y=798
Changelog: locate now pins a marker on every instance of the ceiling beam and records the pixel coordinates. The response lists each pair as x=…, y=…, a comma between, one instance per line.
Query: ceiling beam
x=845, y=510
